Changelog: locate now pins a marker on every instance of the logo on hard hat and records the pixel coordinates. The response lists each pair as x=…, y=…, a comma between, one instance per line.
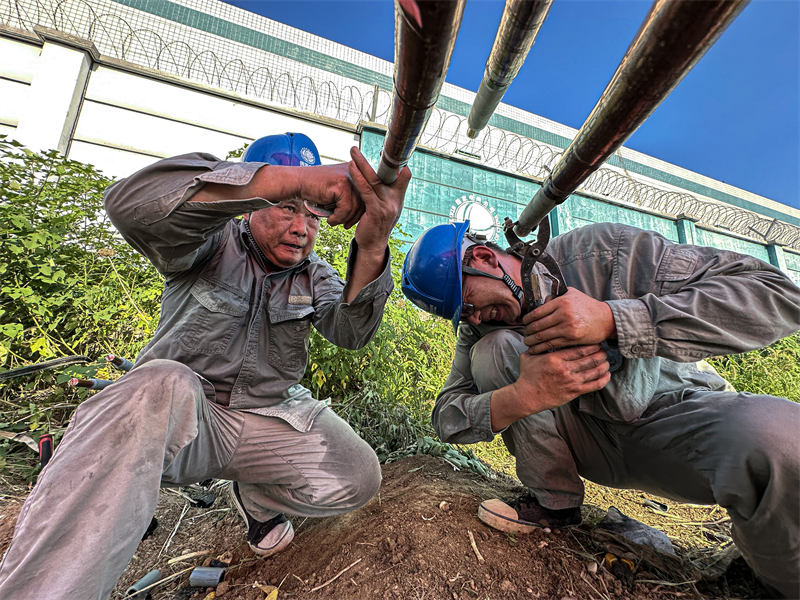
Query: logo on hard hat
x=307, y=156
x=482, y=218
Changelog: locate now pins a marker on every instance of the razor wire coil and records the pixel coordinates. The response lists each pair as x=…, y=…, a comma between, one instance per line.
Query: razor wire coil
x=147, y=43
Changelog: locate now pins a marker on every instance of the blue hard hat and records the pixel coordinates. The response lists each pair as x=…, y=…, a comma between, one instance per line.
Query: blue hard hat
x=432, y=271
x=288, y=149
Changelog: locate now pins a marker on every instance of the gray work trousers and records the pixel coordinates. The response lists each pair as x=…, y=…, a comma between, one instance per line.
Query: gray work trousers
x=738, y=450
x=83, y=520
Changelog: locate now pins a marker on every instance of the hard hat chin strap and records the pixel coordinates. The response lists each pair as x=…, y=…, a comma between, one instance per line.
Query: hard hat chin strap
x=506, y=278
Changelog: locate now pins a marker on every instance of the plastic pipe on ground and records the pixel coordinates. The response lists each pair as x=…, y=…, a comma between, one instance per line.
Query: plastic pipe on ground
x=135, y=591
x=206, y=576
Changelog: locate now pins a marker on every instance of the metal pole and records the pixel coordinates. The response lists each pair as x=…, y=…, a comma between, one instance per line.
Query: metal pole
x=425, y=35
x=519, y=26
x=673, y=37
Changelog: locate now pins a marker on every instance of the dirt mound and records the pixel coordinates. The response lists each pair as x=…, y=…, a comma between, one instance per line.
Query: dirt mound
x=411, y=541
x=406, y=544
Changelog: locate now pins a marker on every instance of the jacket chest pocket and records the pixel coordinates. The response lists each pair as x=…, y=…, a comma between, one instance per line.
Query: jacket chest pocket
x=215, y=317
x=288, y=337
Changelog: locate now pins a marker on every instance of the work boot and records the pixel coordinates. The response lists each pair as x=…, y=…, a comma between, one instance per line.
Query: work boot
x=266, y=538
x=526, y=514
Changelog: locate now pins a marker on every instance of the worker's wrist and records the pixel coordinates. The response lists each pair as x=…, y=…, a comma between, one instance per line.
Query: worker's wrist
x=610, y=324
x=277, y=183
x=373, y=249
x=505, y=406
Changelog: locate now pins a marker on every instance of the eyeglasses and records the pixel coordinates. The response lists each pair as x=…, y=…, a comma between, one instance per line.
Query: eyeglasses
x=467, y=310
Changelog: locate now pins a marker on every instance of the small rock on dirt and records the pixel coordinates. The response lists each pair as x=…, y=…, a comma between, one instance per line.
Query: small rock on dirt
x=507, y=586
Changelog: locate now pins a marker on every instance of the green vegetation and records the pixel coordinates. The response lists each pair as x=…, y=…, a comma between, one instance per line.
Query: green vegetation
x=68, y=286
x=774, y=370
x=386, y=389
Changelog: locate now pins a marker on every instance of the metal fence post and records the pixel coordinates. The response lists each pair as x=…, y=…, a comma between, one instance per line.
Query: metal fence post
x=777, y=258
x=687, y=231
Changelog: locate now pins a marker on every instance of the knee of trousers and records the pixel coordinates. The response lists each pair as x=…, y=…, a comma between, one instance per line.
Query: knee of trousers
x=351, y=473
x=495, y=359
x=363, y=481
x=764, y=449
x=157, y=395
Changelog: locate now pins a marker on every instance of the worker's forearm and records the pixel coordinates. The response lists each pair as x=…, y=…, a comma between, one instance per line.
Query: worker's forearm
x=368, y=266
x=506, y=408
x=273, y=183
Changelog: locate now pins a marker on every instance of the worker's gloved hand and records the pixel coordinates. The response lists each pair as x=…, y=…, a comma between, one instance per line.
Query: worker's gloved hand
x=573, y=319
x=382, y=203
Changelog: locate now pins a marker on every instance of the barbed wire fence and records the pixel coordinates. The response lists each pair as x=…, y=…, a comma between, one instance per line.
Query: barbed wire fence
x=159, y=45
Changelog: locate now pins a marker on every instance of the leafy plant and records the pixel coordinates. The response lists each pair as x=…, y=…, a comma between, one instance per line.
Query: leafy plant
x=774, y=370
x=67, y=285
x=409, y=357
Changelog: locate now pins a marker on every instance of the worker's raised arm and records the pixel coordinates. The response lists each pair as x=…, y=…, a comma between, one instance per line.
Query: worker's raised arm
x=172, y=210
x=158, y=213
x=685, y=302
x=350, y=320
x=382, y=207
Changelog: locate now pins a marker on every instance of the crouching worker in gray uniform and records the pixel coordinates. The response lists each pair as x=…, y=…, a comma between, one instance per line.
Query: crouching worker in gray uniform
x=215, y=393
x=661, y=422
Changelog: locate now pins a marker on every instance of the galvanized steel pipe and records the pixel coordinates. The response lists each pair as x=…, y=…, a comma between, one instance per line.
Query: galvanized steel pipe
x=425, y=35
x=519, y=26
x=673, y=37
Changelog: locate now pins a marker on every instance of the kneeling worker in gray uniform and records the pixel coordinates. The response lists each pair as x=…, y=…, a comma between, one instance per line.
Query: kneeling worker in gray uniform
x=661, y=422
x=215, y=393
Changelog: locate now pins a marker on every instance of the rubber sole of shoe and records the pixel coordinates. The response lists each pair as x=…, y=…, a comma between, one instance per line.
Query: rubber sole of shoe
x=499, y=515
x=286, y=538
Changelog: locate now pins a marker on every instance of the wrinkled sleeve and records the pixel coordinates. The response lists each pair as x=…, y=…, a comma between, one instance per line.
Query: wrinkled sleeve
x=350, y=325
x=461, y=414
x=152, y=209
x=686, y=303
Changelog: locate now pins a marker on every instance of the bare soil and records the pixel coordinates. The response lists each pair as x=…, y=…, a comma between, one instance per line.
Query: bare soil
x=405, y=543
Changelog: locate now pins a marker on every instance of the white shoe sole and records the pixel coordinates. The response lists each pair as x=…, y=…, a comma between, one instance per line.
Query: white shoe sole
x=286, y=535
x=499, y=515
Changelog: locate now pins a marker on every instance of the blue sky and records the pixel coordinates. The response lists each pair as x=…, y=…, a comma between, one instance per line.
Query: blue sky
x=735, y=117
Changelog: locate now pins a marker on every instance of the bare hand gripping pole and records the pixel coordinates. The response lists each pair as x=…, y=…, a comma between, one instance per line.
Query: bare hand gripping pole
x=425, y=35
x=519, y=26
x=673, y=37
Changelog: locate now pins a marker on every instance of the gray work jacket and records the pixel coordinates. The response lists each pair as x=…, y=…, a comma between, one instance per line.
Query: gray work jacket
x=673, y=305
x=242, y=329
